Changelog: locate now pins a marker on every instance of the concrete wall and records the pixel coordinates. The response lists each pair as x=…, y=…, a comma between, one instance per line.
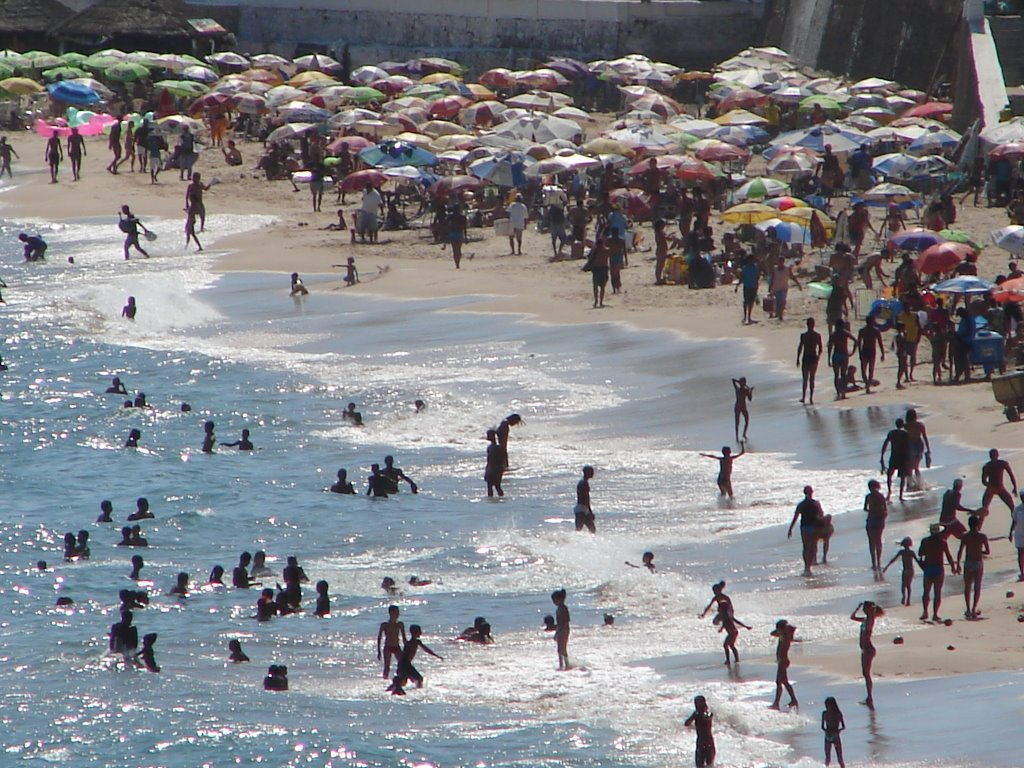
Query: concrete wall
x=488, y=33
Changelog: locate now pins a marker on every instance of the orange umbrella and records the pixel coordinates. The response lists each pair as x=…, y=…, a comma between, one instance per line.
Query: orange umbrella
x=1009, y=290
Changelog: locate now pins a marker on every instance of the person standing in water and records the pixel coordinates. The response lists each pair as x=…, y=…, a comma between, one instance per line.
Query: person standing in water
x=932, y=552
x=130, y=225
x=871, y=612
x=973, y=549
x=808, y=353
x=811, y=516
x=701, y=721
x=583, y=512
x=785, y=632
x=833, y=725
x=744, y=395
x=877, y=509
x=502, y=431
x=918, y=448
x=726, y=620
x=209, y=439
x=390, y=632
x=561, y=628
x=495, y=467
x=839, y=345
x=725, y=468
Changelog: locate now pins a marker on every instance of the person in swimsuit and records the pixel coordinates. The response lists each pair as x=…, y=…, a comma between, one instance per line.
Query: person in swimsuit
x=130, y=225
x=242, y=444
x=839, y=345
x=867, y=649
x=744, y=394
x=701, y=720
x=877, y=509
x=810, y=515
x=343, y=485
x=784, y=631
x=390, y=632
x=561, y=628
x=495, y=467
x=992, y=478
x=503, y=430
x=76, y=150
x=867, y=340
x=808, y=352
x=725, y=468
x=973, y=548
x=896, y=441
x=909, y=558
x=833, y=724
x=931, y=553
x=599, y=264
x=726, y=619
x=406, y=671
x=918, y=447
x=53, y=156
x=583, y=512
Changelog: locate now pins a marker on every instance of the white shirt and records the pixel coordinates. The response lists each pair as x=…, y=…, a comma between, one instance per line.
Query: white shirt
x=1018, y=528
x=517, y=213
x=371, y=201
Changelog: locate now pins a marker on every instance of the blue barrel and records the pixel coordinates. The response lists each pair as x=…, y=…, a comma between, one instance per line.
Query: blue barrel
x=987, y=349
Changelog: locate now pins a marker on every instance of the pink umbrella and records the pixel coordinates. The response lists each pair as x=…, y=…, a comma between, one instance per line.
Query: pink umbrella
x=723, y=152
x=47, y=130
x=454, y=185
x=448, y=107
x=498, y=78
x=1012, y=150
x=936, y=110
x=393, y=84
x=661, y=162
x=697, y=170
x=633, y=202
x=355, y=144
x=360, y=180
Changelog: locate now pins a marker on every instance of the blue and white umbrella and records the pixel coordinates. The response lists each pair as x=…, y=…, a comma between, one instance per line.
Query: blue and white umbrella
x=934, y=141
x=786, y=231
x=840, y=138
x=76, y=94
x=739, y=135
x=508, y=170
x=302, y=112
x=964, y=284
x=392, y=154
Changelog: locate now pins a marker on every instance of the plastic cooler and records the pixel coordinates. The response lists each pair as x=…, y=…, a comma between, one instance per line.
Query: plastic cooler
x=987, y=349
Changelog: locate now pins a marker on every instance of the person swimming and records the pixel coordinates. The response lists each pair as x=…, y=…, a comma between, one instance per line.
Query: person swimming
x=389, y=586
x=242, y=444
x=259, y=565
x=351, y=414
x=106, y=510
x=276, y=679
x=323, y=599
x=343, y=485
x=376, y=484
x=133, y=439
x=209, y=439
x=116, y=387
x=147, y=655
x=235, y=653
x=137, y=565
x=142, y=511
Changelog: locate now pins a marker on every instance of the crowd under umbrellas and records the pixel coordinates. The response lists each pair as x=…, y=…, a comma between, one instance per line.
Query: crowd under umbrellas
x=421, y=123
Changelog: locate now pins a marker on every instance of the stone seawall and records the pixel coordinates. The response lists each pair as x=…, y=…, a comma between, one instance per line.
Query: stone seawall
x=491, y=33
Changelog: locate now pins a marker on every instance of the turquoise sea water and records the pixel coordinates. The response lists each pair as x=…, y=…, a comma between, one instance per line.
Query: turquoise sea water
x=637, y=406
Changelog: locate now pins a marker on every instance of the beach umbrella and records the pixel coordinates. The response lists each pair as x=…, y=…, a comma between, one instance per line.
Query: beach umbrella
x=20, y=86
x=73, y=58
x=290, y=131
x=936, y=140
x=606, y=146
x=365, y=75
x=456, y=185
x=786, y=231
x=6, y=71
x=99, y=62
x=177, y=62
x=508, y=170
x=126, y=72
x=739, y=117
x=721, y=152
x=349, y=117
x=1010, y=238
x=200, y=74
x=842, y=140
x=661, y=162
x=395, y=153
x=915, y=240
x=499, y=77
x=935, y=110
x=355, y=144
x=183, y=88
x=786, y=203
x=963, y=285
x=889, y=193
x=807, y=217
x=448, y=107
x=1011, y=130
x=95, y=85
x=482, y=112
x=228, y=60
x=644, y=139
x=15, y=60
x=942, y=257
x=893, y=164
x=309, y=78
x=435, y=128
x=426, y=65
x=249, y=103
x=1013, y=150
x=742, y=98
x=791, y=94
x=64, y=72
x=268, y=77
x=1009, y=290
x=301, y=112
x=543, y=78
x=40, y=60
x=748, y=213
x=73, y=93
x=535, y=101
x=634, y=203
x=540, y=128
x=269, y=61
x=959, y=236
x=284, y=93
x=792, y=163
x=423, y=91
x=457, y=141
x=826, y=103
x=871, y=85
x=360, y=180
x=864, y=100
x=739, y=135
x=570, y=68
x=114, y=53
x=760, y=188
x=177, y=123
x=363, y=94
x=215, y=101
x=435, y=78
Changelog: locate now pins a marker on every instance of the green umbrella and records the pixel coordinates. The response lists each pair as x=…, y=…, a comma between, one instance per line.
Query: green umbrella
x=42, y=59
x=100, y=61
x=64, y=73
x=6, y=70
x=14, y=59
x=683, y=139
x=423, y=90
x=826, y=103
x=959, y=236
x=365, y=93
x=181, y=87
x=73, y=59
x=126, y=72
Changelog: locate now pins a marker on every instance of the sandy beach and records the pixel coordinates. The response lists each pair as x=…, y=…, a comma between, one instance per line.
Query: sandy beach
x=407, y=264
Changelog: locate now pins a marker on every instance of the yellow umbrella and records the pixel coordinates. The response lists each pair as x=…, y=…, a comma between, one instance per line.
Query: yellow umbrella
x=20, y=86
x=454, y=141
x=740, y=117
x=413, y=138
x=606, y=146
x=803, y=216
x=439, y=77
x=308, y=77
x=482, y=92
x=749, y=213
x=437, y=128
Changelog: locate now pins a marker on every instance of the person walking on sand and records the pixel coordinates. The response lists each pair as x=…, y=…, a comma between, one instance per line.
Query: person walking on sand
x=517, y=216
x=918, y=448
x=194, y=203
x=583, y=512
x=934, y=553
x=811, y=516
x=114, y=145
x=877, y=509
x=992, y=478
x=598, y=264
x=868, y=339
x=6, y=151
x=130, y=225
x=701, y=721
x=808, y=353
x=561, y=629
x=973, y=549
x=833, y=724
x=744, y=395
x=76, y=151
x=785, y=632
x=53, y=156
x=870, y=612
x=909, y=558
x=750, y=277
x=725, y=468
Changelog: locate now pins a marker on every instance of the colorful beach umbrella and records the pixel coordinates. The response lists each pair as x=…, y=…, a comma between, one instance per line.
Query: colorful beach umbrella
x=963, y=285
x=20, y=86
x=1010, y=238
x=184, y=88
x=126, y=72
x=942, y=257
x=749, y=213
x=760, y=188
x=73, y=93
x=915, y=240
x=391, y=154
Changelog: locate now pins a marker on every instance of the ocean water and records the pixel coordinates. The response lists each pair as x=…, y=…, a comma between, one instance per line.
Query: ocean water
x=638, y=406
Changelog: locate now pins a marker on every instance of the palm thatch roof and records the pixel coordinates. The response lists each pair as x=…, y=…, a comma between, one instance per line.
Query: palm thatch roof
x=134, y=18
x=34, y=16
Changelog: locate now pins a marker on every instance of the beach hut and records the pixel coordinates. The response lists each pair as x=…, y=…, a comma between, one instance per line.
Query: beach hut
x=27, y=24
x=163, y=26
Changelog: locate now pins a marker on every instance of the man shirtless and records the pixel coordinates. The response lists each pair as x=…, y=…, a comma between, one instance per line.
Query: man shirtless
x=744, y=394
x=974, y=545
x=992, y=478
x=897, y=442
x=599, y=263
x=725, y=468
x=867, y=339
x=808, y=352
x=390, y=631
x=932, y=551
x=839, y=346
x=583, y=512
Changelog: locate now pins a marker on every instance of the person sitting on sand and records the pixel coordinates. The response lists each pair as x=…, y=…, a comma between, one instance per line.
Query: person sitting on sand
x=232, y=155
x=725, y=469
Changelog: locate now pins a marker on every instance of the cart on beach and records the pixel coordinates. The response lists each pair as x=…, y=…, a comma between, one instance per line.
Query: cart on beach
x=1008, y=390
